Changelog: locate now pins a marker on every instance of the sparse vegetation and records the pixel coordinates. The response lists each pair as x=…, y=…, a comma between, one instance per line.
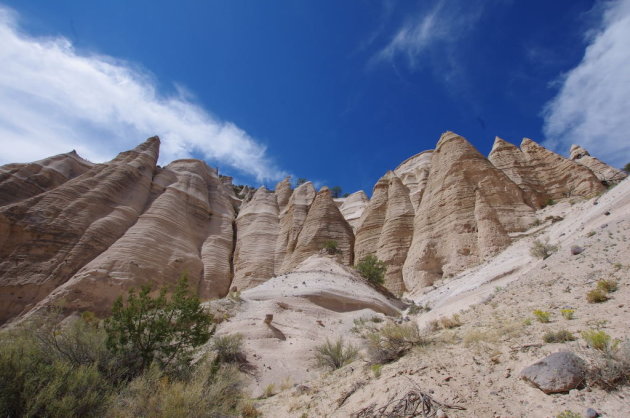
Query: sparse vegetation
x=335, y=191
x=626, y=168
x=269, y=391
x=393, y=341
x=542, y=316
x=452, y=322
x=549, y=202
x=372, y=269
x=607, y=286
x=228, y=348
x=376, y=369
x=596, y=296
x=568, y=414
x=561, y=336
x=334, y=355
x=567, y=313
x=612, y=368
x=590, y=234
x=541, y=249
x=599, y=340
x=300, y=181
x=331, y=247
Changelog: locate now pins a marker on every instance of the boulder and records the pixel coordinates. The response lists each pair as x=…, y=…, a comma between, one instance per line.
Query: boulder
x=556, y=373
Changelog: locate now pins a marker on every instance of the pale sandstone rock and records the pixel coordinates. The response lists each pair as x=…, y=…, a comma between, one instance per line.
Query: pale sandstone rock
x=396, y=234
x=559, y=176
x=324, y=222
x=164, y=243
x=291, y=223
x=21, y=181
x=372, y=220
x=352, y=207
x=603, y=171
x=467, y=210
x=257, y=233
x=46, y=239
x=283, y=193
x=414, y=173
x=515, y=164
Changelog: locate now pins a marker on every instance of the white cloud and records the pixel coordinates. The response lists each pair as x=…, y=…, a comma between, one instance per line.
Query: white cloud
x=592, y=107
x=441, y=26
x=53, y=99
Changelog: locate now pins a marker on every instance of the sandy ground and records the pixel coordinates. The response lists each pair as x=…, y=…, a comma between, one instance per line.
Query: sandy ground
x=477, y=364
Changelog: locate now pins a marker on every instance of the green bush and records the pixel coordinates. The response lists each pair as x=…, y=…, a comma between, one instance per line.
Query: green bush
x=331, y=247
x=229, y=348
x=159, y=329
x=599, y=340
x=567, y=313
x=541, y=249
x=561, y=336
x=392, y=342
x=607, y=286
x=210, y=392
x=542, y=316
x=334, y=355
x=372, y=269
x=596, y=296
x=35, y=381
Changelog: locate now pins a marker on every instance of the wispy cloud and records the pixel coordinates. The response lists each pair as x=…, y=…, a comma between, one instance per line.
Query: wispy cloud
x=438, y=27
x=54, y=99
x=592, y=107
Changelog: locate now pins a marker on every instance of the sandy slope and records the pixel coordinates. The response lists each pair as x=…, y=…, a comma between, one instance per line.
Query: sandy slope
x=319, y=300
x=477, y=365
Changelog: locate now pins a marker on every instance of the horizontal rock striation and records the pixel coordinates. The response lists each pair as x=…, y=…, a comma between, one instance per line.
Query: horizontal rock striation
x=606, y=174
x=21, y=181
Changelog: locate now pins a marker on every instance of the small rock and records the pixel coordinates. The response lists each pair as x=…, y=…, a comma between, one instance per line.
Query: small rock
x=268, y=318
x=576, y=249
x=607, y=213
x=440, y=414
x=556, y=373
x=591, y=413
x=603, y=226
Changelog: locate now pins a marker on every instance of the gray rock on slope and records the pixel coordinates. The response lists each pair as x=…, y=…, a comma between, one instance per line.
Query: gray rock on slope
x=556, y=373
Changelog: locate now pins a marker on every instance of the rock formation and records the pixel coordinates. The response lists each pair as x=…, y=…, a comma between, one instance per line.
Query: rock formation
x=291, y=223
x=257, y=226
x=177, y=234
x=83, y=234
x=324, y=222
x=46, y=239
x=414, y=173
x=352, y=207
x=603, y=171
x=467, y=210
x=21, y=181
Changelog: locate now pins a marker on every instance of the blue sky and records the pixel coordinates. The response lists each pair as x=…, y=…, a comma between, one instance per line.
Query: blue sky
x=334, y=91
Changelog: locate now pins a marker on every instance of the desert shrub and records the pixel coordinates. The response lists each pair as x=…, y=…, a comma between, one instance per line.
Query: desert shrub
x=549, y=202
x=248, y=410
x=376, y=369
x=599, y=340
x=392, y=342
x=542, y=316
x=37, y=382
x=611, y=369
x=568, y=414
x=334, y=355
x=452, y=322
x=567, y=313
x=372, y=269
x=228, y=348
x=210, y=392
x=541, y=249
x=596, y=296
x=269, y=391
x=160, y=329
x=331, y=247
x=561, y=336
x=607, y=286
